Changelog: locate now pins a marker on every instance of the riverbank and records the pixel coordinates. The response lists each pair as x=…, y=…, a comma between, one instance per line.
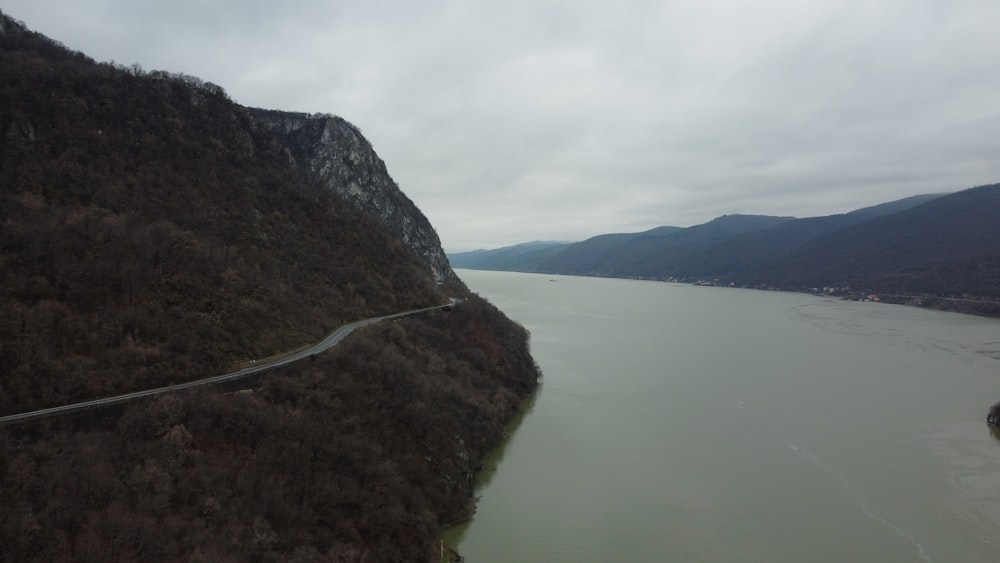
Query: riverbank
x=449, y=555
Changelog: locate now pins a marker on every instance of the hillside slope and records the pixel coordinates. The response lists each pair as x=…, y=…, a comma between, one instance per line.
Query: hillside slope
x=133, y=202
x=521, y=257
x=952, y=228
x=660, y=252
x=936, y=250
x=738, y=254
x=153, y=231
x=725, y=248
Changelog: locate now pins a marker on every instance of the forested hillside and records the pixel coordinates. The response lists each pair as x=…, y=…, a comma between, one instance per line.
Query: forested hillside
x=153, y=231
x=527, y=257
x=932, y=250
x=362, y=455
x=134, y=205
x=958, y=226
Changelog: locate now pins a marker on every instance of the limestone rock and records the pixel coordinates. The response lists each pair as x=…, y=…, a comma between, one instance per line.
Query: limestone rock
x=340, y=156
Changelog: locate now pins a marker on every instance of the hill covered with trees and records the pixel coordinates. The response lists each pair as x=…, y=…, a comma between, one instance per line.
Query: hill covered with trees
x=931, y=250
x=152, y=231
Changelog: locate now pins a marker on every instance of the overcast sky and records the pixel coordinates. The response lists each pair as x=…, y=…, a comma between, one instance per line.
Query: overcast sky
x=535, y=120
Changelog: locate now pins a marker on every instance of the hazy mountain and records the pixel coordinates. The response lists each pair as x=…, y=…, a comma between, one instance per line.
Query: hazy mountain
x=736, y=255
x=951, y=228
x=670, y=255
x=652, y=253
x=914, y=248
x=891, y=207
x=522, y=257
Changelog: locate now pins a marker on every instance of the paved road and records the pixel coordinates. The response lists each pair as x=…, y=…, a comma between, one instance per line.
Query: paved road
x=331, y=340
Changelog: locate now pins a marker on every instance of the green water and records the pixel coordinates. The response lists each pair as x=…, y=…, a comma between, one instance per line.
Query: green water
x=682, y=423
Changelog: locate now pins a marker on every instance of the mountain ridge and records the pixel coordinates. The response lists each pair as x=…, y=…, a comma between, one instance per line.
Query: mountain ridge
x=884, y=249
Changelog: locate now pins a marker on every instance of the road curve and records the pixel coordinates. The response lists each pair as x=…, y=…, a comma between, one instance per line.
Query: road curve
x=331, y=340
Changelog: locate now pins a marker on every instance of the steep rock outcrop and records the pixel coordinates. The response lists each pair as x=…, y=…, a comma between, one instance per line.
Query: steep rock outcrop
x=339, y=155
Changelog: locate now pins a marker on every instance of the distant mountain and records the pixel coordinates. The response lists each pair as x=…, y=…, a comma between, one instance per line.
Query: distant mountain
x=646, y=254
x=586, y=255
x=523, y=257
x=671, y=255
x=921, y=246
x=891, y=207
x=943, y=230
x=736, y=255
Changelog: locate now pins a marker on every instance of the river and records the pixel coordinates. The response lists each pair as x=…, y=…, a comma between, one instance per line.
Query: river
x=684, y=423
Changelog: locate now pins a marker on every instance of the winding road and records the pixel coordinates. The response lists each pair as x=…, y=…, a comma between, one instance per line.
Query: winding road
x=330, y=341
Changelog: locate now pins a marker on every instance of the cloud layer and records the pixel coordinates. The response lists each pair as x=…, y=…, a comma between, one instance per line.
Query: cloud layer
x=542, y=120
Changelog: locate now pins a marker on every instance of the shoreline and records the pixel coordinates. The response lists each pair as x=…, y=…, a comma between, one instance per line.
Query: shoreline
x=979, y=306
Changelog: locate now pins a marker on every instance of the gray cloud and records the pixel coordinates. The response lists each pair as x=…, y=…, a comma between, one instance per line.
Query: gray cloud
x=522, y=120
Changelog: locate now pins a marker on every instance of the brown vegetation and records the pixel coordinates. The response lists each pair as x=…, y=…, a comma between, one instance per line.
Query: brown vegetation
x=363, y=454
x=151, y=233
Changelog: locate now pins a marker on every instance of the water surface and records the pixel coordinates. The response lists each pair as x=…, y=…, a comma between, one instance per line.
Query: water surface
x=683, y=423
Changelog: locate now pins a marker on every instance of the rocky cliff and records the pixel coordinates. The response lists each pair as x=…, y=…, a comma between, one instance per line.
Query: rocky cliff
x=338, y=154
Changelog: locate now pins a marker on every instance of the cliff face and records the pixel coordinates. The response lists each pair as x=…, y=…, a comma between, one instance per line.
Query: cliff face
x=344, y=161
